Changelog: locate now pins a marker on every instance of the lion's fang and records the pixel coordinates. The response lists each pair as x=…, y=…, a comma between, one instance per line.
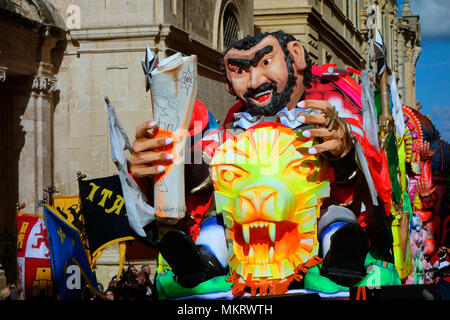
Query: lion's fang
x=246, y=233
x=272, y=231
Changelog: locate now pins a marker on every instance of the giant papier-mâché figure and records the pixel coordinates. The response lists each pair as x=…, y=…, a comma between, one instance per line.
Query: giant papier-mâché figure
x=282, y=221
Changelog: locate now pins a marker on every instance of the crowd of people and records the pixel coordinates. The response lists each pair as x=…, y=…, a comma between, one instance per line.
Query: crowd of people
x=132, y=285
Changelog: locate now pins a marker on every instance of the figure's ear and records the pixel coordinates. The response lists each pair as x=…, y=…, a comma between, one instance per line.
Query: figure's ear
x=227, y=86
x=297, y=53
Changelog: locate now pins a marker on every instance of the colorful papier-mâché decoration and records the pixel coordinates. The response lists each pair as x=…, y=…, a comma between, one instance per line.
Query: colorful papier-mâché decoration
x=268, y=189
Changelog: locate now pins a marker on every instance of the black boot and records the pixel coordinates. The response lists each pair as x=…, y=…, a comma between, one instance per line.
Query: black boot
x=191, y=264
x=344, y=262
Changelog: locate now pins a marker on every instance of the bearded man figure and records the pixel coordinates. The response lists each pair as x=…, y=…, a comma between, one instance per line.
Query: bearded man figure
x=269, y=74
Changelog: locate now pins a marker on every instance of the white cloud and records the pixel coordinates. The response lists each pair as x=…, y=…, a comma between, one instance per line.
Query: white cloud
x=434, y=17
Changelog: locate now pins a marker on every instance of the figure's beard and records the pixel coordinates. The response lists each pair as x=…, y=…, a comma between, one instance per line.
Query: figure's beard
x=278, y=100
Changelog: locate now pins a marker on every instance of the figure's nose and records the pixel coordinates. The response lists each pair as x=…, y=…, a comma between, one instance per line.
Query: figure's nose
x=257, y=78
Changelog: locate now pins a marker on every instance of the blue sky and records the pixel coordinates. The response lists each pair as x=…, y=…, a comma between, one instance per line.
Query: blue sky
x=433, y=66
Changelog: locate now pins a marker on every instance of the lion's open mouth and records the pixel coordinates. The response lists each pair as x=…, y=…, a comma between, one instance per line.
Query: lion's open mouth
x=260, y=242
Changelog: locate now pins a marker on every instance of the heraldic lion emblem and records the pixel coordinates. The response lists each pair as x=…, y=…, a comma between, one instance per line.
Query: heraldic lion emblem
x=268, y=189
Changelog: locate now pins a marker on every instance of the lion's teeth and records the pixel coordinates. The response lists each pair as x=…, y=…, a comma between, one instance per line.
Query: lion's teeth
x=246, y=233
x=271, y=251
x=272, y=231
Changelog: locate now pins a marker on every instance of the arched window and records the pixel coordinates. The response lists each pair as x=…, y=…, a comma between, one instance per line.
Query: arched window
x=230, y=26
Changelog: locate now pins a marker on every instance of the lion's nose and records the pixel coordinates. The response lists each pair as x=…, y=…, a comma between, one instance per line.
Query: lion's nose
x=263, y=201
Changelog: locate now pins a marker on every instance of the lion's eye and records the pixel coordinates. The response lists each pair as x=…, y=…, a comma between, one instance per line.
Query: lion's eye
x=228, y=176
x=230, y=173
x=303, y=167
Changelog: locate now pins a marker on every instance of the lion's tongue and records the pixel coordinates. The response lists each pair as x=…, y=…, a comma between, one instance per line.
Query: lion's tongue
x=263, y=97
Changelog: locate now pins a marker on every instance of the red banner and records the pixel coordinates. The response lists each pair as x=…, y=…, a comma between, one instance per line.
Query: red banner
x=33, y=256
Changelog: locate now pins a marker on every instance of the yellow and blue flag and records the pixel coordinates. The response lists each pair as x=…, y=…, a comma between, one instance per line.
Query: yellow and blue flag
x=70, y=266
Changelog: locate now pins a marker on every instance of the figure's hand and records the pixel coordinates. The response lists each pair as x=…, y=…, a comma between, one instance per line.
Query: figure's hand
x=143, y=155
x=425, y=192
x=425, y=151
x=424, y=188
x=329, y=128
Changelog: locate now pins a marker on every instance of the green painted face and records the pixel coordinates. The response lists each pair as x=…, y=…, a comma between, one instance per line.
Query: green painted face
x=268, y=189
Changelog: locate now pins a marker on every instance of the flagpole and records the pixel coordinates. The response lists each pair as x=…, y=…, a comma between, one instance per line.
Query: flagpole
x=400, y=224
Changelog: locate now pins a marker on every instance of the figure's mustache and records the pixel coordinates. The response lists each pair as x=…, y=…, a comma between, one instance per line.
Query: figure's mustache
x=251, y=93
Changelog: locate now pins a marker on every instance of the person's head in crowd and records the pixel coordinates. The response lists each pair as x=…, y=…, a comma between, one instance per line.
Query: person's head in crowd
x=5, y=294
x=109, y=294
x=146, y=269
x=132, y=269
x=14, y=291
x=140, y=278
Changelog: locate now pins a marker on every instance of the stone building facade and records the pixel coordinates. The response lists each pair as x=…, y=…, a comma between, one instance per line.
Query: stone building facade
x=408, y=52
x=32, y=41
x=328, y=29
x=59, y=58
x=402, y=36
x=336, y=31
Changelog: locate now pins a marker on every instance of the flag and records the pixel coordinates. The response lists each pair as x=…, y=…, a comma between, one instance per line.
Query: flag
x=33, y=256
x=397, y=113
x=370, y=118
x=70, y=265
x=68, y=206
x=139, y=212
x=104, y=211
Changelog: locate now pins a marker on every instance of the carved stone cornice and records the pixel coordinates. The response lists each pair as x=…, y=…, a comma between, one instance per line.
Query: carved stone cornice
x=43, y=85
x=3, y=74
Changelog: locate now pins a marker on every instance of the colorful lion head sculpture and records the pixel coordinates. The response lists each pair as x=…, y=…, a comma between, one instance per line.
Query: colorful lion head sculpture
x=268, y=189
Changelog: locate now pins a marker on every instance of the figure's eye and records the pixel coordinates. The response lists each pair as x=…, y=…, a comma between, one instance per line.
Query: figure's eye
x=230, y=173
x=266, y=61
x=301, y=166
x=229, y=176
x=236, y=69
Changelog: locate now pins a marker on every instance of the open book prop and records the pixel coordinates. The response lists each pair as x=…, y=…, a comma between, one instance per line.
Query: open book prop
x=268, y=189
x=174, y=89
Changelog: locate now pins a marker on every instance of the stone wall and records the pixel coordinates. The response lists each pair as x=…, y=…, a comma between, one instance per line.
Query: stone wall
x=329, y=35
x=102, y=58
x=336, y=32
x=105, y=43
x=31, y=45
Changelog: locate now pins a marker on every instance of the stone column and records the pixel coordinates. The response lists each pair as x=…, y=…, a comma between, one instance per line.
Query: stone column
x=408, y=61
x=416, y=52
x=35, y=162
